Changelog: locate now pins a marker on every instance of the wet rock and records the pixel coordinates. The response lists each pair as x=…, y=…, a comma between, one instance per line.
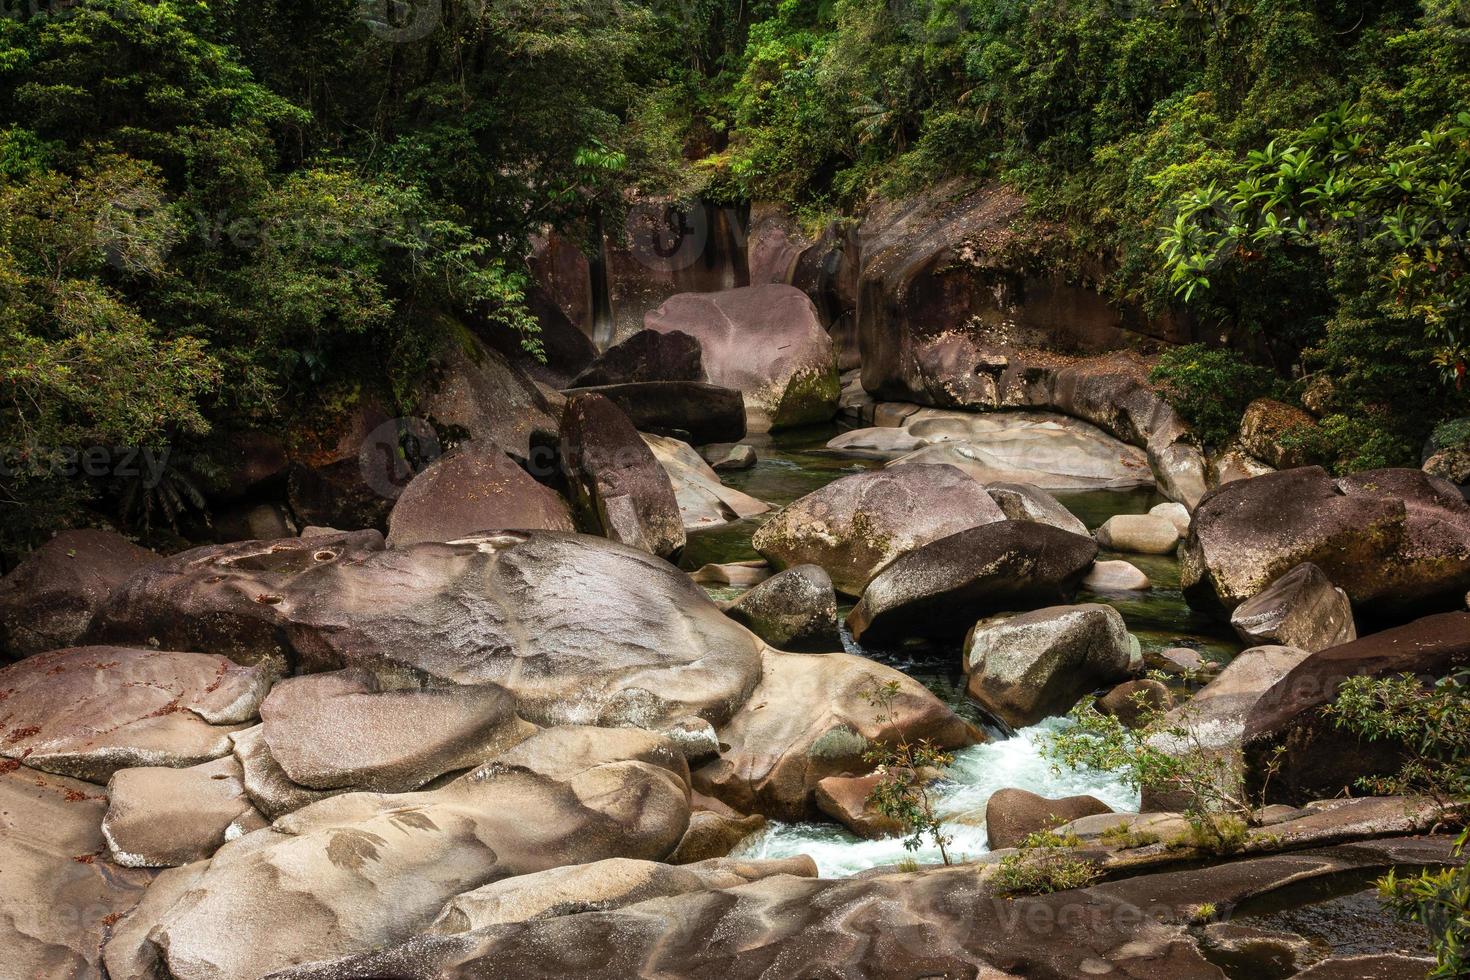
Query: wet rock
x=1140, y=534
x=59, y=894
x=856, y=526
x=1023, y=502
x=617, y=485
x=1320, y=758
x=703, y=500
x=725, y=458
x=87, y=712
x=648, y=355
x=474, y=489
x=795, y=610
x=697, y=413
x=1277, y=433
x=765, y=342
x=1011, y=815
x=1116, y=576
x=1134, y=703
x=714, y=835
x=476, y=390
x=49, y=599
x=1301, y=609
x=939, y=589
x=846, y=799
x=1394, y=540
x=1278, y=953
x=368, y=870
x=1176, y=514
x=617, y=636
x=609, y=884
x=1379, y=966
x=740, y=574
x=1039, y=664
x=810, y=718
x=347, y=730
x=160, y=817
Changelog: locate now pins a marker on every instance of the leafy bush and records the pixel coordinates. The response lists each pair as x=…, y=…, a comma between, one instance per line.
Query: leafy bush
x=902, y=792
x=1044, y=864
x=1210, y=388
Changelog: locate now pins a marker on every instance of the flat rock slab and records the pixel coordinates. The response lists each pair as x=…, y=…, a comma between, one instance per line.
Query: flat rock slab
x=704, y=501
x=59, y=895
x=343, y=730
x=579, y=629
x=90, y=711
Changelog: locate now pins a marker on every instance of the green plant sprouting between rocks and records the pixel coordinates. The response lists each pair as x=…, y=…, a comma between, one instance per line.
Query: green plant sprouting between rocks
x=905, y=770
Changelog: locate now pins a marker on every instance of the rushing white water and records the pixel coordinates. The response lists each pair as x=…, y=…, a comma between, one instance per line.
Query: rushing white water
x=977, y=773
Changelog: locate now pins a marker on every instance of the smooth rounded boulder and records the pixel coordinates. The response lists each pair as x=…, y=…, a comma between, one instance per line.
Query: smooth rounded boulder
x=765, y=342
x=794, y=610
x=475, y=488
x=648, y=355
x=579, y=629
x=1037, y=665
x=1139, y=534
x=617, y=484
x=939, y=589
x=1116, y=576
x=87, y=712
x=1301, y=609
x=1011, y=815
x=1396, y=541
x=856, y=526
x=47, y=602
x=162, y=818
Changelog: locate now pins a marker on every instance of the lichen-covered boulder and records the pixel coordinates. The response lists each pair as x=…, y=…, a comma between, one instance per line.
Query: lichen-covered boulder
x=1023, y=502
x=617, y=485
x=795, y=610
x=476, y=488
x=579, y=629
x=1301, y=609
x=939, y=589
x=811, y=717
x=1039, y=664
x=854, y=527
x=476, y=389
x=87, y=712
x=49, y=599
x=764, y=341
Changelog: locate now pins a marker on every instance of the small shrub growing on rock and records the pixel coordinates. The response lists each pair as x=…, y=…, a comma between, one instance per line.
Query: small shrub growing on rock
x=1210, y=388
x=1044, y=864
x=1125, y=837
x=903, y=791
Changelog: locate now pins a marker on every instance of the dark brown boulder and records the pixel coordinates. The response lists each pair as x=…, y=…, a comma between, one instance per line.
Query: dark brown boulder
x=648, y=355
x=697, y=413
x=767, y=343
x=940, y=589
x=49, y=599
x=1396, y=541
x=1134, y=703
x=1274, y=433
x=1011, y=815
x=617, y=484
x=794, y=610
x=475, y=488
x=476, y=392
x=1321, y=759
x=349, y=476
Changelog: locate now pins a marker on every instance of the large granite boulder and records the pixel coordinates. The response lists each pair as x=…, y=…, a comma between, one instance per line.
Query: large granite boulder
x=688, y=410
x=346, y=729
x=475, y=488
x=475, y=389
x=1395, y=541
x=767, y=343
x=856, y=526
x=618, y=487
x=608, y=884
x=49, y=599
x=87, y=712
x=1321, y=759
x=358, y=872
x=939, y=589
x=1024, y=502
x=1301, y=609
x=1276, y=433
x=704, y=500
x=579, y=629
x=1013, y=814
x=59, y=894
x=1039, y=664
x=812, y=717
x=795, y=610
x=160, y=818
x=648, y=355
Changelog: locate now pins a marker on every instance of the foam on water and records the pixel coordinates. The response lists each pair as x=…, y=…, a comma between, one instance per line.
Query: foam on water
x=978, y=772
